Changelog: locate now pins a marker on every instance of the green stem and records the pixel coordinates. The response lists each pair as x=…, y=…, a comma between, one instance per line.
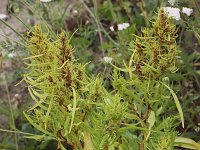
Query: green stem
x=144, y=13
x=97, y=22
x=197, y=6
x=9, y=26
x=11, y=110
x=17, y=132
x=42, y=19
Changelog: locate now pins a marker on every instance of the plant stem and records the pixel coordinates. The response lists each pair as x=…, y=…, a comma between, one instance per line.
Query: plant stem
x=197, y=6
x=97, y=17
x=9, y=26
x=63, y=14
x=97, y=22
x=11, y=110
x=144, y=13
x=17, y=132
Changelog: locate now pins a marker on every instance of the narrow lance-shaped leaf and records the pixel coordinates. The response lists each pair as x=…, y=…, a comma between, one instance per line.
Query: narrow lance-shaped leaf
x=186, y=143
x=151, y=120
x=73, y=109
x=178, y=105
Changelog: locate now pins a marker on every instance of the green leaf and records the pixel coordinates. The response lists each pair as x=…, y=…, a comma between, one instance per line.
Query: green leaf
x=60, y=145
x=38, y=104
x=186, y=143
x=73, y=109
x=35, y=137
x=37, y=100
x=130, y=127
x=152, y=68
x=132, y=116
x=32, y=95
x=178, y=105
x=103, y=141
x=48, y=112
x=151, y=119
x=31, y=57
x=88, y=141
x=31, y=121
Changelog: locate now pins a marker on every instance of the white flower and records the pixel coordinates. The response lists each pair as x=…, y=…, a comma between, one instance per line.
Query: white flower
x=172, y=2
x=120, y=26
x=107, y=59
x=3, y=16
x=75, y=12
x=187, y=11
x=112, y=28
x=197, y=129
x=123, y=26
x=172, y=12
x=45, y=1
x=11, y=55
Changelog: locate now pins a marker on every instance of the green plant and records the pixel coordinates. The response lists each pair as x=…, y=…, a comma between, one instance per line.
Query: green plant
x=78, y=112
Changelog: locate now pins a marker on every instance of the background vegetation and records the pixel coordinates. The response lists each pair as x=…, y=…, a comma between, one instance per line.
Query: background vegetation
x=89, y=22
